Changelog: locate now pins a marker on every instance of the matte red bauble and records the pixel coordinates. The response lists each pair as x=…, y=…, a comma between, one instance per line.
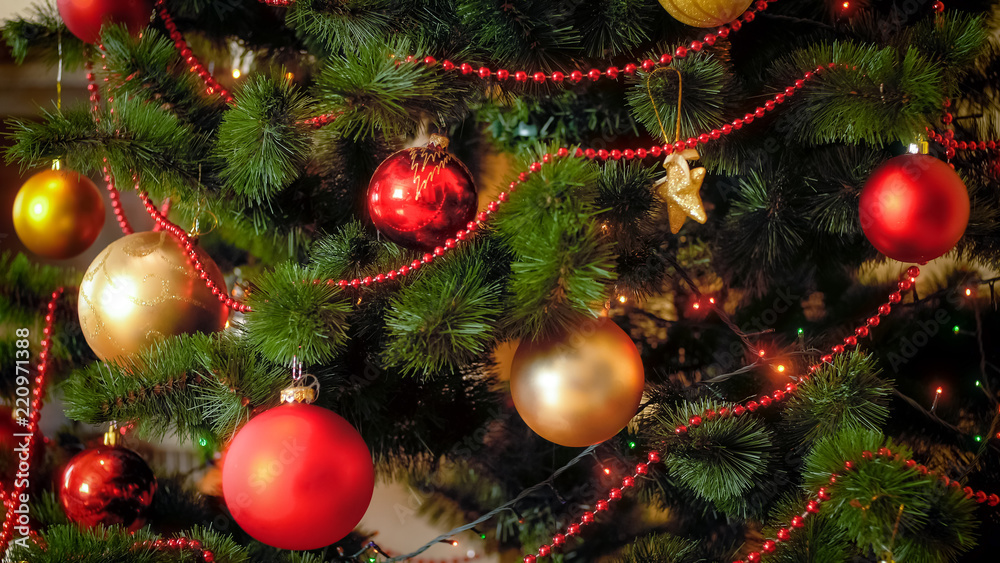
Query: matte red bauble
x=58, y=213
x=107, y=485
x=298, y=477
x=84, y=18
x=914, y=208
x=420, y=197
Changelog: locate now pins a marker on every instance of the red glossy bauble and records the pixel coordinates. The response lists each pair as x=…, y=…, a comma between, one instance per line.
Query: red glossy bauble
x=84, y=18
x=420, y=197
x=298, y=477
x=107, y=485
x=914, y=208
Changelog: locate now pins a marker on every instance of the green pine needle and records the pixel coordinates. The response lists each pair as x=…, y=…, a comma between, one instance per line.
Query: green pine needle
x=294, y=317
x=659, y=548
x=563, y=263
x=260, y=141
x=446, y=317
x=846, y=394
x=882, y=502
x=373, y=91
x=720, y=459
x=352, y=253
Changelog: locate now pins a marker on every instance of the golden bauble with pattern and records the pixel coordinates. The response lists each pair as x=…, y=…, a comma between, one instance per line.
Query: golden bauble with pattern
x=579, y=387
x=58, y=213
x=142, y=289
x=705, y=13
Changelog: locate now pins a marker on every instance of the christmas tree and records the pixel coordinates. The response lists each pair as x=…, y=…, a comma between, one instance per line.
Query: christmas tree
x=593, y=280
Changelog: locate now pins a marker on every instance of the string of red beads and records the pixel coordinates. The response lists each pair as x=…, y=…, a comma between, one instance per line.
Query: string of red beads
x=178, y=544
x=212, y=87
x=109, y=181
x=535, y=167
x=947, y=140
x=595, y=74
x=823, y=494
x=905, y=283
x=188, y=244
x=558, y=540
x=11, y=501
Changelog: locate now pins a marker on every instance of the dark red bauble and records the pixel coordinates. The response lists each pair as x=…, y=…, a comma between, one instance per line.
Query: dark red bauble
x=420, y=197
x=914, y=208
x=298, y=477
x=84, y=18
x=107, y=485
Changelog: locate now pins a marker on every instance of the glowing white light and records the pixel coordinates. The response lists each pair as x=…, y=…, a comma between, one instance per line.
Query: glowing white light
x=116, y=299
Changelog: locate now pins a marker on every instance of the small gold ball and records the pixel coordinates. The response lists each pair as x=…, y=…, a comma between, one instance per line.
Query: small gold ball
x=58, y=213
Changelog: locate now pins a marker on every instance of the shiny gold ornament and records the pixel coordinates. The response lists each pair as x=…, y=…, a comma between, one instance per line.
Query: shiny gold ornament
x=580, y=387
x=58, y=213
x=705, y=13
x=142, y=289
x=681, y=190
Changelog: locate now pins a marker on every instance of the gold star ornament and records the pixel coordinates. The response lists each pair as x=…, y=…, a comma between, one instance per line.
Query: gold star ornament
x=681, y=190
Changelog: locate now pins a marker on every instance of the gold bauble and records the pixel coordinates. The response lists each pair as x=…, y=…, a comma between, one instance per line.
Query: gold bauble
x=705, y=13
x=141, y=289
x=58, y=213
x=579, y=387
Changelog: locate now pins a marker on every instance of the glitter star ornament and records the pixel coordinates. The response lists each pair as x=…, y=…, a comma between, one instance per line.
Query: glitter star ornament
x=681, y=189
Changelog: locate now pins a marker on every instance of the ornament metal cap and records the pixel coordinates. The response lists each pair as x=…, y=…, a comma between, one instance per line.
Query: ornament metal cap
x=304, y=388
x=439, y=141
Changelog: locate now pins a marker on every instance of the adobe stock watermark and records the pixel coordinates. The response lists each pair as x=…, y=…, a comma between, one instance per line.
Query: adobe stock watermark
x=262, y=477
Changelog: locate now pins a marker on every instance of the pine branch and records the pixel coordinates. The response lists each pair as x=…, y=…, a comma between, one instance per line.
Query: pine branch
x=563, y=264
x=196, y=385
x=888, y=97
x=720, y=459
x=613, y=27
x=116, y=545
x=845, y=395
x=260, y=141
x=331, y=27
x=376, y=91
x=149, y=68
x=449, y=315
x=883, y=502
x=294, y=317
x=352, y=253
x=706, y=84
x=40, y=35
x=659, y=548
x=142, y=138
x=520, y=33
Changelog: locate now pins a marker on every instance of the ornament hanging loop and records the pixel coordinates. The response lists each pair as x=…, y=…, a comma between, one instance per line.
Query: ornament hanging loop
x=680, y=94
x=688, y=153
x=305, y=390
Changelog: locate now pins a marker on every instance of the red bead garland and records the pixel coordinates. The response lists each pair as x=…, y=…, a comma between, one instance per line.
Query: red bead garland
x=535, y=167
x=109, y=181
x=11, y=501
x=575, y=76
x=906, y=281
x=177, y=544
x=212, y=87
